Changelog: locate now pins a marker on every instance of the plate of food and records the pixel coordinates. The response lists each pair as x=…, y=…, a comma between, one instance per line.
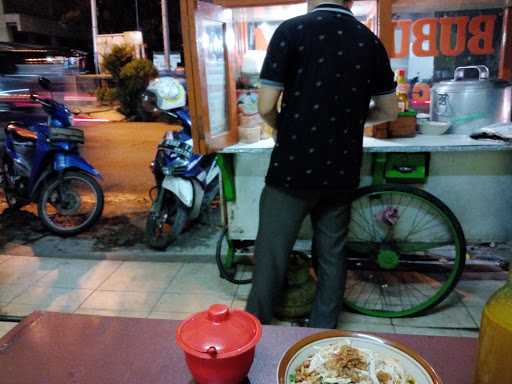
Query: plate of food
x=337, y=357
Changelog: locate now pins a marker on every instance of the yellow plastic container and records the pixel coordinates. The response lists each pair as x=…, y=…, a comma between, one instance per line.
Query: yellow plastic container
x=495, y=356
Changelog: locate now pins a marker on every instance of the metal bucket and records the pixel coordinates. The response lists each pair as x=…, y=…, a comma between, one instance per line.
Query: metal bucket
x=470, y=104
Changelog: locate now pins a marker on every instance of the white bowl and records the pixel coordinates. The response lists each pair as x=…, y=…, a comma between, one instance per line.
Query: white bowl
x=413, y=364
x=433, y=127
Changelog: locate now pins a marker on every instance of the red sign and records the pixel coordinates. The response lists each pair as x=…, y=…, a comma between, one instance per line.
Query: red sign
x=474, y=33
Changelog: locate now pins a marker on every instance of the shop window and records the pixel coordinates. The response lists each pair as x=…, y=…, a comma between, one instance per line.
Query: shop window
x=433, y=38
x=254, y=27
x=225, y=43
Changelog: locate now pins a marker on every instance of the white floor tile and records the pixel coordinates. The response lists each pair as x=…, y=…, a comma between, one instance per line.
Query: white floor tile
x=79, y=274
x=10, y=291
x=239, y=304
x=361, y=327
x=451, y=317
x=243, y=291
x=476, y=313
x=477, y=292
x=418, y=331
x=6, y=327
x=465, y=333
x=112, y=313
x=4, y=258
x=121, y=301
x=177, y=302
x=24, y=270
x=349, y=317
x=27, y=309
x=201, y=278
x=141, y=277
x=48, y=297
x=169, y=315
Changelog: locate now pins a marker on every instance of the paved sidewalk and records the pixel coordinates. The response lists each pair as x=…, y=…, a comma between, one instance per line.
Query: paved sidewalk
x=173, y=290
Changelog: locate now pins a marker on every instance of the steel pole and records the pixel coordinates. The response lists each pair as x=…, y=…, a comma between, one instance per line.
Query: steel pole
x=94, y=19
x=137, y=14
x=165, y=31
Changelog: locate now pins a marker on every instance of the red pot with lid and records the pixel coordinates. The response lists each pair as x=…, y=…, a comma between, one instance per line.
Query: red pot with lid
x=219, y=344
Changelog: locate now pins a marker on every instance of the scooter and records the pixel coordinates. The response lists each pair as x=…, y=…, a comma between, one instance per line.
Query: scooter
x=186, y=183
x=42, y=164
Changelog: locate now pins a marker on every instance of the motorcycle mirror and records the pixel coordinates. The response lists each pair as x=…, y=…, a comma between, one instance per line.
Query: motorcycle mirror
x=149, y=102
x=45, y=83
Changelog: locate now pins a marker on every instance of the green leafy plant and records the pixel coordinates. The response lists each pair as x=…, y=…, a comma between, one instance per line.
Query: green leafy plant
x=133, y=80
x=117, y=59
x=106, y=95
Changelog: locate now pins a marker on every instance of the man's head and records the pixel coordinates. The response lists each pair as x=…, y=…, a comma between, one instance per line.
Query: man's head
x=315, y=3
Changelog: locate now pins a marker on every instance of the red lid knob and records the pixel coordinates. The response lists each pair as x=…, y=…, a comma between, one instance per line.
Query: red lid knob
x=218, y=313
x=212, y=351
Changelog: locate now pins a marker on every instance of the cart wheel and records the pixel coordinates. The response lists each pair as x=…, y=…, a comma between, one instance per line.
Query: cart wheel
x=235, y=265
x=405, y=252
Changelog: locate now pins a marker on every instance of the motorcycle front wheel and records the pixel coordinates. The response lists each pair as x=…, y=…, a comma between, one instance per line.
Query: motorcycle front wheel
x=166, y=221
x=71, y=203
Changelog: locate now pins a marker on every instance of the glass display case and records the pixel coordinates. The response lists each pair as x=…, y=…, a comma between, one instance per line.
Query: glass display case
x=225, y=43
x=253, y=28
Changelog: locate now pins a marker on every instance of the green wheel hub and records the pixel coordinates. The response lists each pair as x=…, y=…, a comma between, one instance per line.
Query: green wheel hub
x=388, y=259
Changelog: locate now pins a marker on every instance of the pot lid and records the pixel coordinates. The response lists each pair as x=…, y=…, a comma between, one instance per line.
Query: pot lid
x=460, y=85
x=219, y=332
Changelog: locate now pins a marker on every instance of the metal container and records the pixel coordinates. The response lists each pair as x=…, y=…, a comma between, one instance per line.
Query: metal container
x=470, y=104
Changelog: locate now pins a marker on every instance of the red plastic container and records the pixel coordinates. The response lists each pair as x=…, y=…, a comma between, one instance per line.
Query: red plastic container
x=219, y=344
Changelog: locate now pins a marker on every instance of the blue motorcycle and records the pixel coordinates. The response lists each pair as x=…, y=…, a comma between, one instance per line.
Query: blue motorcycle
x=186, y=183
x=42, y=164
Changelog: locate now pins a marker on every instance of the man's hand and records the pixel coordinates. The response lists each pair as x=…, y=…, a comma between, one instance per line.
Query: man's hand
x=268, y=98
x=385, y=109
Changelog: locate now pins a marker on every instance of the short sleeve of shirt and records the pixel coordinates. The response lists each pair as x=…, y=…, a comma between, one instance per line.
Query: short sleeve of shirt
x=383, y=77
x=275, y=65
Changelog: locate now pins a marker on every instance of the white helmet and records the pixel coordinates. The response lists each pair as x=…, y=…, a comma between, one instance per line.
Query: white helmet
x=169, y=92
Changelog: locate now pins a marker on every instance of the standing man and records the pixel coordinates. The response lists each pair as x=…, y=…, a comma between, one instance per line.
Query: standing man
x=327, y=66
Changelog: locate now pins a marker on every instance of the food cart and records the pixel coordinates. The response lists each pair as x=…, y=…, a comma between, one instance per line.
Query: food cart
x=462, y=172
x=429, y=40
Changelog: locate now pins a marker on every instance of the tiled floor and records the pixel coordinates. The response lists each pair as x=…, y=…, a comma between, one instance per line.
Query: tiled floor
x=175, y=290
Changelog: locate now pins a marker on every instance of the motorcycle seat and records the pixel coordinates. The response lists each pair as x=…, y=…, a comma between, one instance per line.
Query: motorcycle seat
x=20, y=132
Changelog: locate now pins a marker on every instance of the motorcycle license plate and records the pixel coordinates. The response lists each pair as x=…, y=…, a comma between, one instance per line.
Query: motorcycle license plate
x=178, y=147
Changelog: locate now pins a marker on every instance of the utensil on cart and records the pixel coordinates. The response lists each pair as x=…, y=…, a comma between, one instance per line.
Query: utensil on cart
x=502, y=132
x=219, y=344
x=433, y=127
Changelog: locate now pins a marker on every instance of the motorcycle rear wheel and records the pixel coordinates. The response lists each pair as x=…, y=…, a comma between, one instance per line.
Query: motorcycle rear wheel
x=165, y=224
x=13, y=201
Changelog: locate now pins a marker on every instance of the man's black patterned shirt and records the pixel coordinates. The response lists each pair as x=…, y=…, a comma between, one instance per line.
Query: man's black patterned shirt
x=328, y=65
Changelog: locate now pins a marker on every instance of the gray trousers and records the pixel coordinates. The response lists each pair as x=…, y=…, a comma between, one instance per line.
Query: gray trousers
x=281, y=215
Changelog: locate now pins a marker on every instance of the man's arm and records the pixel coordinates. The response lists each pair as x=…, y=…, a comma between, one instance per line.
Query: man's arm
x=383, y=110
x=268, y=98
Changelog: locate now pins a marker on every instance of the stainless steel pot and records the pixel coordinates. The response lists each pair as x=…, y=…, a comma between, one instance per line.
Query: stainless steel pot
x=470, y=104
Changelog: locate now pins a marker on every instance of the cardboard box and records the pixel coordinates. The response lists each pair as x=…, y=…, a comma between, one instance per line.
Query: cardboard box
x=404, y=126
x=379, y=131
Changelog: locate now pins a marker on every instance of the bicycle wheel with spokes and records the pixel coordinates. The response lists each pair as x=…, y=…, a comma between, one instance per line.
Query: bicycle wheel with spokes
x=235, y=261
x=405, y=251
